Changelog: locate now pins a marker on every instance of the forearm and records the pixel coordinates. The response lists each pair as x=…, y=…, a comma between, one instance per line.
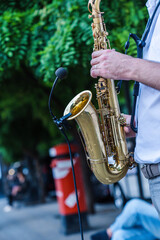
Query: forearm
x=114, y=65
x=144, y=71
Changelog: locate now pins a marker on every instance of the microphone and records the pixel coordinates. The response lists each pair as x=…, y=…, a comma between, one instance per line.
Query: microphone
x=60, y=73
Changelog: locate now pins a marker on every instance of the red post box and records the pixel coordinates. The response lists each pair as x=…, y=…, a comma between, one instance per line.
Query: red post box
x=65, y=192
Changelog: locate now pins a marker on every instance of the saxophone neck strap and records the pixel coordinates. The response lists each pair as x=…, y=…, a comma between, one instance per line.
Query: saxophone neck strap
x=140, y=43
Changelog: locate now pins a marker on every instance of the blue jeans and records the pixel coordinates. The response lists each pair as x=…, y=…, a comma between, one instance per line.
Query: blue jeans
x=138, y=221
x=154, y=185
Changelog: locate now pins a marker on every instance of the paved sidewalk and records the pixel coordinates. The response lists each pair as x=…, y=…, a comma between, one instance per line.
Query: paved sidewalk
x=42, y=222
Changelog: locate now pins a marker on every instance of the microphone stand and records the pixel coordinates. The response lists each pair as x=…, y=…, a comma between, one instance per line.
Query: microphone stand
x=60, y=123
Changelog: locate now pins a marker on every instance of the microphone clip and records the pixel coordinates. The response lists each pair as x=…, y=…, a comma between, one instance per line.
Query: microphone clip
x=61, y=121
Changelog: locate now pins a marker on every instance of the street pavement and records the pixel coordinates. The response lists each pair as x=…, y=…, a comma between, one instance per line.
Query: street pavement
x=43, y=222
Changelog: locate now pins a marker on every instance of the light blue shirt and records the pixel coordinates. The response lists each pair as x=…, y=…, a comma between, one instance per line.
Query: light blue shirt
x=148, y=107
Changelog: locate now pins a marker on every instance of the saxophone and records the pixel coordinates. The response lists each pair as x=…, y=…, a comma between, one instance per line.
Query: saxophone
x=103, y=129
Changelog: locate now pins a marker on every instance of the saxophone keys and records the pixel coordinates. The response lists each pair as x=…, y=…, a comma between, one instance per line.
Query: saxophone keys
x=122, y=120
x=131, y=163
x=93, y=25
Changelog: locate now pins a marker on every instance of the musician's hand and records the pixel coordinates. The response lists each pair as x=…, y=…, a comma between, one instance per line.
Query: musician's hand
x=109, y=233
x=128, y=131
x=111, y=64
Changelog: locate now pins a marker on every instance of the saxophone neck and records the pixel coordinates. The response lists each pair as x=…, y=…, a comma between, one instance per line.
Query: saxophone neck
x=95, y=5
x=98, y=26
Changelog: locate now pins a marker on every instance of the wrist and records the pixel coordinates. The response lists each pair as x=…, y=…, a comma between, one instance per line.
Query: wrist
x=132, y=71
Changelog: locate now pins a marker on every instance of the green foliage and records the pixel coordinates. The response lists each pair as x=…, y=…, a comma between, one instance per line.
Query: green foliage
x=25, y=122
x=47, y=36
x=38, y=36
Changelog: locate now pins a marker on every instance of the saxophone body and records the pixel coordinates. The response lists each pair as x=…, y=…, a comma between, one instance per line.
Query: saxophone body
x=102, y=130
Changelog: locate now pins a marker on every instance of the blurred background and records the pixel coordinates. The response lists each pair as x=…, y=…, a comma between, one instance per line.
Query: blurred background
x=36, y=38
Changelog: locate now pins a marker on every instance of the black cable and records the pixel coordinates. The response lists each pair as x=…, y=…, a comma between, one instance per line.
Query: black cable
x=50, y=96
x=60, y=123
x=75, y=185
x=60, y=73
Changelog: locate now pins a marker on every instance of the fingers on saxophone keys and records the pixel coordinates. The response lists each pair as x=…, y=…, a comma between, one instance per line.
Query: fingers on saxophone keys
x=95, y=72
x=97, y=53
x=94, y=61
x=124, y=121
x=95, y=67
x=127, y=125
